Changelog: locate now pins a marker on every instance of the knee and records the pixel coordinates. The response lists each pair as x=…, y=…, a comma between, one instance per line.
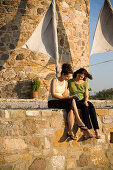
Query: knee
x=70, y=113
x=90, y=104
x=73, y=101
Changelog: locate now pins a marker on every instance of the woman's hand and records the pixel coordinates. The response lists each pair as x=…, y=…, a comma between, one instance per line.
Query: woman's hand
x=86, y=103
x=69, y=97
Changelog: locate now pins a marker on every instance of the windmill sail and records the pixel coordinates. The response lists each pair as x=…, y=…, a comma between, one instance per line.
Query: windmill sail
x=44, y=38
x=103, y=37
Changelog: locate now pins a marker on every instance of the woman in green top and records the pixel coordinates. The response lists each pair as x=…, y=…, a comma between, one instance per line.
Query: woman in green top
x=78, y=86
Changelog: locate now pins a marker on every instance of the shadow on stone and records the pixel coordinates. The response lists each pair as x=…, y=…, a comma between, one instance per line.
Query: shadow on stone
x=82, y=138
x=20, y=89
x=63, y=43
x=64, y=136
x=11, y=31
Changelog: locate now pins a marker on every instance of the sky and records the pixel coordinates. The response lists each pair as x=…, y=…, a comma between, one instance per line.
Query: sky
x=102, y=73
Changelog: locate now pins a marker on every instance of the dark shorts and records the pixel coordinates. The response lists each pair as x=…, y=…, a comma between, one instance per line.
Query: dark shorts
x=61, y=104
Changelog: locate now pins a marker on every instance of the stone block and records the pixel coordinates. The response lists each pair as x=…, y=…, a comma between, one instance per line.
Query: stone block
x=107, y=119
x=2, y=113
x=102, y=139
x=47, y=143
x=14, y=144
x=1, y=160
x=56, y=122
x=110, y=156
x=21, y=165
x=10, y=9
x=29, y=126
x=6, y=167
x=12, y=158
x=16, y=114
x=77, y=6
x=9, y=74
x=59, y=151
x=102, y=112
x=107, y=128
x=65, y=5
x=1, y=44
x=97, y=156
x=83, y=161
x=46, y=112
x=27, y=157
x=38, y=164
x=111, y=112
x=20, y=57
x=73, y=143
x=7, y=115
x=71, y=150
x=40, y=10
x=47, y=131
x=58, y=162
x=33, y=113
x=70, y=164
x=34, y=141
x=85, y=149
x=12, y=46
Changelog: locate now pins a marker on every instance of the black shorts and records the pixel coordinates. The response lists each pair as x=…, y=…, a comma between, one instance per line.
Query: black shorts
x=61, y=104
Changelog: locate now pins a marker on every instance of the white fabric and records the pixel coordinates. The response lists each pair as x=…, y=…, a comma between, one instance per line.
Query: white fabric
x=103, y=37
x=44, y=38
x=59, y=90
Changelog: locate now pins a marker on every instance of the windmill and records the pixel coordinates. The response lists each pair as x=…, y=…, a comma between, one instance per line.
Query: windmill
x=44, y=38
x=103, y=37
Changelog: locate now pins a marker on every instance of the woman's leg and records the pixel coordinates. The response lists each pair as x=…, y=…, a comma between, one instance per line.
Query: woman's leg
x=71, y=124
x=85, y=113
x=79, y=121
x=70, y=121
x=93, y=117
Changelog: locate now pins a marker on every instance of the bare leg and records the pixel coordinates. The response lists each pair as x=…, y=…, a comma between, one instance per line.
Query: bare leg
x=70, y=121
x=70, y=124
x=78, y=119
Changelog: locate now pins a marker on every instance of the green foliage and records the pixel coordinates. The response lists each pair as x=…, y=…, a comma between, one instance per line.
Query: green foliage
x=35, y=85
x=103, y=95
x=90, y=89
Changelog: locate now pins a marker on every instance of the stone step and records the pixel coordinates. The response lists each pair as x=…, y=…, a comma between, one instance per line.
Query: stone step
x=39, y=103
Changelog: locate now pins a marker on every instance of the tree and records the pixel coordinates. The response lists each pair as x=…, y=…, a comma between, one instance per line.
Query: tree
x=106, y=94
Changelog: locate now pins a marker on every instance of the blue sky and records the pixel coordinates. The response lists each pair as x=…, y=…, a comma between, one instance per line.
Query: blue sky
x=102, y=73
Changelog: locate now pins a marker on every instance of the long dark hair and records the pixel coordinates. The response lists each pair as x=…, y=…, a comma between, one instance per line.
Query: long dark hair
x=66, y=69
x=83, y=71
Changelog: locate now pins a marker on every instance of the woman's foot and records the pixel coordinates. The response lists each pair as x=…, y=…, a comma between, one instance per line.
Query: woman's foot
x=97, y=135
x=87, y=134
x=71, y=135
x=82, y=126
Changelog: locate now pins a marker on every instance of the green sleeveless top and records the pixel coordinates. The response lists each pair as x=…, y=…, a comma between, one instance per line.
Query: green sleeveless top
x=78, y=89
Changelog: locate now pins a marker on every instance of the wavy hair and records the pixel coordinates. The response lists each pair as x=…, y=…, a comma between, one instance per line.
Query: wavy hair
x=83, y=71
x=66, y=69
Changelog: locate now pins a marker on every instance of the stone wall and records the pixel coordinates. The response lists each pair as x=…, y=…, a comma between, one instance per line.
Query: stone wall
x=18, y=20
x=36, y=139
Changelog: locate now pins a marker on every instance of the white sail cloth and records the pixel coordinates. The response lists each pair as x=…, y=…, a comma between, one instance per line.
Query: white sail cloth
x=44, y=38
x=103, y=37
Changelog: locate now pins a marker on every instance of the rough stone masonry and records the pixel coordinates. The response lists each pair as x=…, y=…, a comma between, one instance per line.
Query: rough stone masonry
x=36, y=139
x=18, y=20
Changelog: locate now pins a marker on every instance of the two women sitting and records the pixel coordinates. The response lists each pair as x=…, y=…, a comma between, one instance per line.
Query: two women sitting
x=78, y=85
